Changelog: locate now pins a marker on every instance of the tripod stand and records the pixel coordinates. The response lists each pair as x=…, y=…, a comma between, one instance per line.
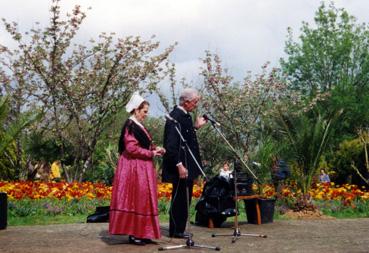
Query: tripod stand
x=190, y=244
x=236, y=232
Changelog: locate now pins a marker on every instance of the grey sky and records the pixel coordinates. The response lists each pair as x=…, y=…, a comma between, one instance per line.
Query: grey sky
x=245, y=33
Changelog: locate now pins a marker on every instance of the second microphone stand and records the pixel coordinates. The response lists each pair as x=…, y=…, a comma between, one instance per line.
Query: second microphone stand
x=190, y=244
x=236, y=232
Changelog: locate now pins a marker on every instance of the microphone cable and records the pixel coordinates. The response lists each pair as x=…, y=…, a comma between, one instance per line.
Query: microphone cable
x=176, y=190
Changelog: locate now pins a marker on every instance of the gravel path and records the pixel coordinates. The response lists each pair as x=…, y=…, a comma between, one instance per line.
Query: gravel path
x=333, y=235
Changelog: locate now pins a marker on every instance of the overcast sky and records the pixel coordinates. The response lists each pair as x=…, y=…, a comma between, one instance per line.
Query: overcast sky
x=245, y=33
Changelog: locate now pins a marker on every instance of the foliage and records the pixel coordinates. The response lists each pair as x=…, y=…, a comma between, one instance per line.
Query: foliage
x=78, y=87
x=7, y=163
x=8, y=134
x=332, y=53
x=350, y=158
x=242, y=108
x=156, y=129
x=332, y=56
x=307, y=139
x=169, y=103
x=42, y=147
x=213, y=149
x=329, y=59
x=266, y=151
x=106, y=156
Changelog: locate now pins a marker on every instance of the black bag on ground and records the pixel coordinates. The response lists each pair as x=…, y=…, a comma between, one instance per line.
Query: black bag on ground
x=101, y=215
x=216, y=202
x=3, y=210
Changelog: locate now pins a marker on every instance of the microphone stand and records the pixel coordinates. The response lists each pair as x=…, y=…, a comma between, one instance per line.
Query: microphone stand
x=190, y=244
x=236, y=232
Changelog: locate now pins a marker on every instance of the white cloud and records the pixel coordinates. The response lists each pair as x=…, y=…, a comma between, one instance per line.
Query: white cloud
x=246, y=33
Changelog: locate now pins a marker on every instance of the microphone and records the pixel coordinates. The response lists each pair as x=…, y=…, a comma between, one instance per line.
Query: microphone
x=168, y=117
x=256, y=163
x=211, y=120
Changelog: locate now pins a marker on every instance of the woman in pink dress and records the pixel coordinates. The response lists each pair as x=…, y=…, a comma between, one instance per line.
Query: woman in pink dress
x=134, y=203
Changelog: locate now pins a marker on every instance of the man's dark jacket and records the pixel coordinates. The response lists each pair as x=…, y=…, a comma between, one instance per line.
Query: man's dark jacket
x=175, y=148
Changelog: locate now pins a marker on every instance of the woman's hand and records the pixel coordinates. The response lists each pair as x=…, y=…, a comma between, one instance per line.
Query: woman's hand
x=159, y=151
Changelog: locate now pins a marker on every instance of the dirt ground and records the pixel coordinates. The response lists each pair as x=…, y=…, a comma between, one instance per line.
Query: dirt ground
x=319, y=235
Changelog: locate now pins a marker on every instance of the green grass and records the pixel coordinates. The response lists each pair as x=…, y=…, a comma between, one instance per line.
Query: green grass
x=81, y=218
x=335, y=208
x=47, y=211
x=50, y=211
x=46, y=220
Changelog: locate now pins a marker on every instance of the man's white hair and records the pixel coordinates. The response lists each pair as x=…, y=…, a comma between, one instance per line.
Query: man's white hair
x=188, y=94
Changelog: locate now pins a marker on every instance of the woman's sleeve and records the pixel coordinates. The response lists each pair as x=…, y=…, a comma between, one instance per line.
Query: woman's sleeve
x=153, y=146
x=133, y=148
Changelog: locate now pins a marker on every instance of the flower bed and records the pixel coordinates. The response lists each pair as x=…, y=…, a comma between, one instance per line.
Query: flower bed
x=33, y=203
x=54, y=190
x=329, y=191
x=63, y=190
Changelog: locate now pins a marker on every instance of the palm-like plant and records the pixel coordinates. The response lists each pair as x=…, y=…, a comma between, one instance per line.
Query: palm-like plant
x=307, y=137
x=9, y=132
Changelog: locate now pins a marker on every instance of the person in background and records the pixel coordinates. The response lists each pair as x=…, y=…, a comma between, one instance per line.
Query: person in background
x=225, y=171
x=134, y=203
x=324, y=177
x=42, y=171
x=55, y=174
x=280, y=172
x=179, y=168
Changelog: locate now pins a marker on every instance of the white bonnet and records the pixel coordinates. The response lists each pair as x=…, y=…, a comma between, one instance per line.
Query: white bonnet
x=135, y=101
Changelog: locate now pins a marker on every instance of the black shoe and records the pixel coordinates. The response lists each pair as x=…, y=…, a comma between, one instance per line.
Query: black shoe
x=181, y=235
x=148, y=241
x=136, y=241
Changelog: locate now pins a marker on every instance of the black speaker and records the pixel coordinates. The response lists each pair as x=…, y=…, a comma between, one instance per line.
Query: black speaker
x=3, y=210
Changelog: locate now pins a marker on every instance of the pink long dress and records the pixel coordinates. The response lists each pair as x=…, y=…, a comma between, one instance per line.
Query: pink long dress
x=134, y=204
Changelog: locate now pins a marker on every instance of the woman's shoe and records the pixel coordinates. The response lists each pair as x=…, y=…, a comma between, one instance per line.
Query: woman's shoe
x=136, y=241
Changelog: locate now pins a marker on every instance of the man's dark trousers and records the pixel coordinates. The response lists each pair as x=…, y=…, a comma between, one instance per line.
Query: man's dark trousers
x=178, y=212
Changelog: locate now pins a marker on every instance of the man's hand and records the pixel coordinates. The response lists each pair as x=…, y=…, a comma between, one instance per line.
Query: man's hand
x=182, y=171
x=200, y=121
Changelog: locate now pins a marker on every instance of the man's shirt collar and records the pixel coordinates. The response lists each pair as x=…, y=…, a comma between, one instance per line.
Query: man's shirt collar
x=183, y=109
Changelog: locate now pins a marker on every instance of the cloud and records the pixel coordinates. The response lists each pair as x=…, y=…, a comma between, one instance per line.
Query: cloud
x=245, y=33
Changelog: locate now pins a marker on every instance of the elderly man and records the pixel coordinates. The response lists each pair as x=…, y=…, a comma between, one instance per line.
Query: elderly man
x=179, y=167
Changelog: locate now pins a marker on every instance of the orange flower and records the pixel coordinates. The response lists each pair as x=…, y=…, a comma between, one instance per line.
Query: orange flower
x=38, y=190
